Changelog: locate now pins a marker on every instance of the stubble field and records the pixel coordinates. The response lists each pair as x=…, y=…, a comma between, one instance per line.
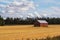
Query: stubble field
x=23, y=32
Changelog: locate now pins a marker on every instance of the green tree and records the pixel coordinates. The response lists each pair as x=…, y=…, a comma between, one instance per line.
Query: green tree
x=9, y=21
x=1, y=21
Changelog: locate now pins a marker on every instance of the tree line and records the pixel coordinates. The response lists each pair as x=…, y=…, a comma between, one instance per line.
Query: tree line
x=20, y=21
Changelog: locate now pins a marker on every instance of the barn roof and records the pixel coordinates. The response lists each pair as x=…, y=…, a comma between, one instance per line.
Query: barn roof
x=42, y=21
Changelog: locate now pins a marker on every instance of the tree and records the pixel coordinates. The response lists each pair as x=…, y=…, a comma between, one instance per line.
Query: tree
x=9, y=21
x=16, y=21
x=1, y=21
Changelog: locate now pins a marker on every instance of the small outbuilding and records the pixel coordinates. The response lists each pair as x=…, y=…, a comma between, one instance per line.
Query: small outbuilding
x=41, y=23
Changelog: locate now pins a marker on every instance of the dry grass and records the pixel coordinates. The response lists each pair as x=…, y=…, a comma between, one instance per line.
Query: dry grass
x=19, y=32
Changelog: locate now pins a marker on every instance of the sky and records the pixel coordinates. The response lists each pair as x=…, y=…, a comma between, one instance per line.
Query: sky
x=29, y=8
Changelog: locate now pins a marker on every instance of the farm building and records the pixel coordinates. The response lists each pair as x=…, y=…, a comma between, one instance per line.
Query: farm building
x=41, y=23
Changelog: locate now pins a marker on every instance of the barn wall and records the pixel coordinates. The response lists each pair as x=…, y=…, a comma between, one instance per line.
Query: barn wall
x=36, y=24
x=44, y=24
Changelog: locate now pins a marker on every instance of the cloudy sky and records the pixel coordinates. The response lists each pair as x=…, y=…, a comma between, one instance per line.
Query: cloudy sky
x=30, y=8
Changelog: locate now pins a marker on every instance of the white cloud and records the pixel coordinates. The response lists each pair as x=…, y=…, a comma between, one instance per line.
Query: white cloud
x=17, y=3
x=3, y=11
x=30, y=15
x=11, y=12
x=2, y=6
x=24, y=0
x=24, y=9
x=31, y=4
x=51, y=12
x=37, y=14
x=21, y=16
x=56, y=9
x=20, y=7
x=45, y=15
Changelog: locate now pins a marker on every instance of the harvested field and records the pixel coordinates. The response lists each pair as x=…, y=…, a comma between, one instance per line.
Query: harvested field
x=19, y=32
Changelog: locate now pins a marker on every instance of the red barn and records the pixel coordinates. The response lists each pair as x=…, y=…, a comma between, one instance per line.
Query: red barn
x=41, y=23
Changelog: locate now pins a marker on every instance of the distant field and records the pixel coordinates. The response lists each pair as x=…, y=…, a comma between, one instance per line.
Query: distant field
x=19, y=32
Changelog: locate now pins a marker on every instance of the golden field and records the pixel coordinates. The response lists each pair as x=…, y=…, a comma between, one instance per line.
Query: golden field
x=23, y=32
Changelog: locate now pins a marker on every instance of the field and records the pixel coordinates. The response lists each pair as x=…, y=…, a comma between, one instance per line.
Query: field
x=23, y=32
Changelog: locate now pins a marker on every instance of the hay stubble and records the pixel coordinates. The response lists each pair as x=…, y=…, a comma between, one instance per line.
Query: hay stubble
x=18, y=32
